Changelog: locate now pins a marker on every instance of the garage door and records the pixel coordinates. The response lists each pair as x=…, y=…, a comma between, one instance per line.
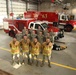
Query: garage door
x=18, y=7
x=32, y=6
x=3, y=12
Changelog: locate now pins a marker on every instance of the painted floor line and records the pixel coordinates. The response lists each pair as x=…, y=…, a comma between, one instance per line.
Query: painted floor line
x=60, y=65
x=5, y=49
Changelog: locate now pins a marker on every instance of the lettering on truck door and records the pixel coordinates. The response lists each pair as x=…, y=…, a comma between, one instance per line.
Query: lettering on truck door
x=44, y=15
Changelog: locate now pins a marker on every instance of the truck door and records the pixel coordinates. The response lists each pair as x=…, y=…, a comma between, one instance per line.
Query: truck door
x=20, y=26
x=35, y=26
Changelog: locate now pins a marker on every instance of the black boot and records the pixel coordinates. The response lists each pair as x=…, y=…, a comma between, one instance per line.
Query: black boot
x=29, y=63
x=37, y=64
x=42, y=64
x=43, y=61
x=49, y=64
x=23, y=62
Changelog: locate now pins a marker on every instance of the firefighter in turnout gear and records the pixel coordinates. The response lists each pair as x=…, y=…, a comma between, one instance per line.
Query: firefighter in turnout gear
x=47, y=50
x=35, y=50
x=25, y=45
x=15, y=49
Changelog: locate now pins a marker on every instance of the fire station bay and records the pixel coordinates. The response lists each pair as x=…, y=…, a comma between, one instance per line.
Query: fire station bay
x=37, y=37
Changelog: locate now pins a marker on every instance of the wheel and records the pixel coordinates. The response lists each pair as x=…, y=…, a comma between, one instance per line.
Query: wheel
x=68, y=28
x=11, y=33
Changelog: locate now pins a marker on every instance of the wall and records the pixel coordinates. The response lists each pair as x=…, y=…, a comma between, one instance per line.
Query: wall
x=2, y=12
x=32, y=6
x=17, y=7
x=47, y=6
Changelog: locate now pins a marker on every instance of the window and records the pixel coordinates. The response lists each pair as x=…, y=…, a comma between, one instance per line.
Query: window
x=37, y=25
x=31, y=25
x=44, y=25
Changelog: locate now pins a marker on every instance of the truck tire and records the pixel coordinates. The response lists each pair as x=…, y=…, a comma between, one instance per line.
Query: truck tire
x=68, y=28
x=11, y=33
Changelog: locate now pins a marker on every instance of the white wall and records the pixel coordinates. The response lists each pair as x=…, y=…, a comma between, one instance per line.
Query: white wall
x=2, y=12
x=32, y=6
x=47, y=6
x=18, y=8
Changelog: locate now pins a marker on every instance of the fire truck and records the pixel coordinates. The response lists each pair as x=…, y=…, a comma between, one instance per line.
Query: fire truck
x=34, y=19
x=61, y=20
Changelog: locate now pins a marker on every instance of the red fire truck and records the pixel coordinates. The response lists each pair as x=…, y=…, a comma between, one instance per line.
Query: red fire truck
x=34, y=19
x=60, y=20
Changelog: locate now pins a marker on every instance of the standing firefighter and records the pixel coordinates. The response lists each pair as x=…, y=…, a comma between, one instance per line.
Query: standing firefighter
x=38, y=30
x=19, y=36
x=47, y=50
x=33, y=35
x=31, y=30
x=35, y=50
x=24, y=31
x=45, y=32
x=52, y=36
x=27, y=33
x=15, y=49
x=40, y=37
x=25, y=45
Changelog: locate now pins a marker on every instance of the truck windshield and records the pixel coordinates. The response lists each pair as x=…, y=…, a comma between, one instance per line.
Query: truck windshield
x=44, y=25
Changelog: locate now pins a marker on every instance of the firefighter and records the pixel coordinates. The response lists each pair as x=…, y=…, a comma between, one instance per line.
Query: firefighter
x=33, y=35
x=35, y=50
x=38, y=30
x=47, y=50
x=31, y=30
x=52, y=36
x=15, y=49
x=19, y=35
x=27, y=33
x=24, y=31
x=45, y=31
x=25, y=45
x=40, y=37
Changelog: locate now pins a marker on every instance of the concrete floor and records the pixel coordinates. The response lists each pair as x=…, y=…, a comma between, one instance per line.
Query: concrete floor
x=63, y=62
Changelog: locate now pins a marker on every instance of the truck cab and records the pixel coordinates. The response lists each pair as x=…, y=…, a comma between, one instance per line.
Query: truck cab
x=66, y=23
x=45, y=24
